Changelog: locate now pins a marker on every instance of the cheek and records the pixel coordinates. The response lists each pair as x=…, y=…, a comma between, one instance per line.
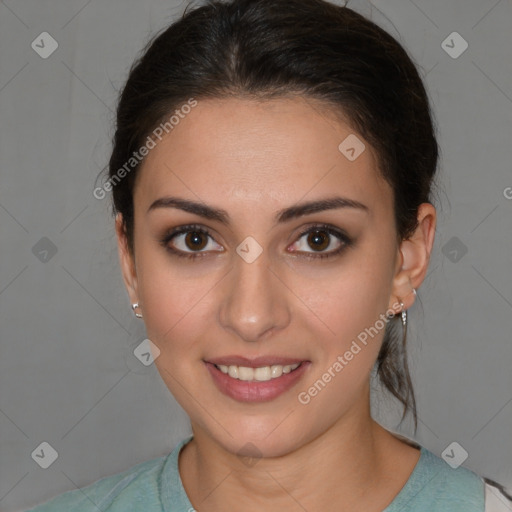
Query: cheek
x=175, y=317
x=349, y=331
x=345, y=300
x=176, y=301
x=345, y=315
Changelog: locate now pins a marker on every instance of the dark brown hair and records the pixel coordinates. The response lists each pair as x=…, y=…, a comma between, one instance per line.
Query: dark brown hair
x=270, y=48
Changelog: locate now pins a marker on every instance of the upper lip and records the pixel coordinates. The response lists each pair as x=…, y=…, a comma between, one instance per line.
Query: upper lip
x=256, y=362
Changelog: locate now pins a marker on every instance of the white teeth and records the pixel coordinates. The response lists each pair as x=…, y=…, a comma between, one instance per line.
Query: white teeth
x=260, y=374
x=244, y=373
x=276, y=371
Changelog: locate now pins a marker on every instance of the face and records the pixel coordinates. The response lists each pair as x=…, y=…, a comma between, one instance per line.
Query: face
x=238, y=263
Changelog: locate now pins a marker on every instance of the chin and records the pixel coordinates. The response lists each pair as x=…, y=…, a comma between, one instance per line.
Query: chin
x=257, y=437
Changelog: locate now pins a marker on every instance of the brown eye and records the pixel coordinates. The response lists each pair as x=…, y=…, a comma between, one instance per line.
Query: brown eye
x=195, y=240
x=318, y=240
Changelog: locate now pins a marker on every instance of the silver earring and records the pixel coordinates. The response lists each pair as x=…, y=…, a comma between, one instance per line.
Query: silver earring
x=134, y=307
x=404, y=311
x=404, y=316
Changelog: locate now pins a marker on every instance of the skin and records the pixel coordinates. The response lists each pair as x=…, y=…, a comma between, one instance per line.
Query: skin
x=253, y=158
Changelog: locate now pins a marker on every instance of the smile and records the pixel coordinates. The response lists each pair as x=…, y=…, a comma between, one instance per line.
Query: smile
x=258, y=383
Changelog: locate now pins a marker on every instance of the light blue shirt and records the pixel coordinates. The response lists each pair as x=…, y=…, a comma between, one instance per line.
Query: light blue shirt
x=156, y=486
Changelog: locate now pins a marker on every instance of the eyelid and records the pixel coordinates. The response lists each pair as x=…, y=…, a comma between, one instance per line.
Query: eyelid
x=316, y=226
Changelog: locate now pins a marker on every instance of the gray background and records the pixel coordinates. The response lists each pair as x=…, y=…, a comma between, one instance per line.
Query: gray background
x=68, y=375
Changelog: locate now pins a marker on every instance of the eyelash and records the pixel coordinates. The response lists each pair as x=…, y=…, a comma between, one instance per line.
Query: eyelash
x=342, y=237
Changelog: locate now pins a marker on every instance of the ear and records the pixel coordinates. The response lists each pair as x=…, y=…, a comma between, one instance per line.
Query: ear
x=126, y=260
x=414, y=256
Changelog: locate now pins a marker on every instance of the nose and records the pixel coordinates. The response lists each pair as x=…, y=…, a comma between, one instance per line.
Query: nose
x=254, y=301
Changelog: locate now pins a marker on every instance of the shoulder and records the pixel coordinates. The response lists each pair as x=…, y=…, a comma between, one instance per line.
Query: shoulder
x=439, y=485
x=435, y=485
x=453, y=484
x=138, y=482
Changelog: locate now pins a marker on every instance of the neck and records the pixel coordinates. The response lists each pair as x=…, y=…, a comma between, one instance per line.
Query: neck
x=339, y=467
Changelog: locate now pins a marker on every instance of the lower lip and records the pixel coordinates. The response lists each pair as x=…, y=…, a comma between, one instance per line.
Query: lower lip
x=255, y=391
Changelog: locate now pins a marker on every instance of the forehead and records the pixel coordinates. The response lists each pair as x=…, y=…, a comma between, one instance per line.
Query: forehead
x=260, y=153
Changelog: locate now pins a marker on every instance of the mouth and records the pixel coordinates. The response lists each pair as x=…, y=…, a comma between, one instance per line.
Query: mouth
x=254, y=381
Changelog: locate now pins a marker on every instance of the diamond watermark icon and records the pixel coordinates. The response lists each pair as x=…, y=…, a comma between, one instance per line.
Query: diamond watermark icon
x=454, y=249
x=249, y=250
x=454, y=455
x=351, y=147
x=45, y=455
x=454, y=45
x=249, y=454
x=44, y=45
x=146, y=352
x=44, y=250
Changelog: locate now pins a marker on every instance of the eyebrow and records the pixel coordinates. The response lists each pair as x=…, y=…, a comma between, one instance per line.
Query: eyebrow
x=292, y=212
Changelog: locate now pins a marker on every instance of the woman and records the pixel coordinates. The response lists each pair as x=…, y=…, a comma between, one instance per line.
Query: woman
x=271, y=177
